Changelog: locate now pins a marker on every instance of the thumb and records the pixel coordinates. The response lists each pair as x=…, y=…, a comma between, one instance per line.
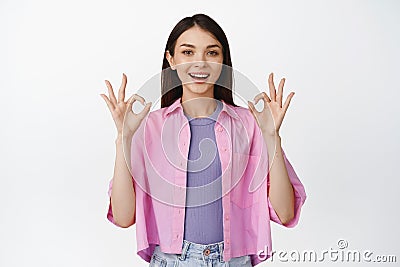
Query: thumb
x=251, y=107
x=146, y=109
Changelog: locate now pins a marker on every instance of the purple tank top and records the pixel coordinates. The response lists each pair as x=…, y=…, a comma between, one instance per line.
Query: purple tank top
x=203, y=212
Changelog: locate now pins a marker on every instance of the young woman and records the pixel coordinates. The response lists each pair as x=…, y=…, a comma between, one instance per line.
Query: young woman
x=201, y=187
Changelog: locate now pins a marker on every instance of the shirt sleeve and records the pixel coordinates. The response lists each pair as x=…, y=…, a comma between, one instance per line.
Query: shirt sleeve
x=110, y=216
x=300, y=196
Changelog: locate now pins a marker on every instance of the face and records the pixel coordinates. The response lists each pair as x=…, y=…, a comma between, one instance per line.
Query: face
x=198, y=61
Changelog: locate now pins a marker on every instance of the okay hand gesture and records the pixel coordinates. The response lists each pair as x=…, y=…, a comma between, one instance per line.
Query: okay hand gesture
x=270, y=118
x=120, y=108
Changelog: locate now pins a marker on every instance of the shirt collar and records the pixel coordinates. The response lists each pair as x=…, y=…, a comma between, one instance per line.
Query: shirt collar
x=225, y=108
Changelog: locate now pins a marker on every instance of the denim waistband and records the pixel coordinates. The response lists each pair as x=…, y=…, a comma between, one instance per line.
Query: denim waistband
x=202, y=251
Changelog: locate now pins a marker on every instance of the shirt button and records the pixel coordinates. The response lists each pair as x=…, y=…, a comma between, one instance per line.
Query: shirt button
x=227, y=218
x=220, y=129
x=227, y=241
x=225, y=149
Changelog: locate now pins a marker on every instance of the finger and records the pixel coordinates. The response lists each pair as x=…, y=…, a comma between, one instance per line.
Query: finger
x=145, y=110
x=266, y=98
x=287, y=102
x=279, y=96
x=139, y=98
x=121, y=91
x=109, y=104
x=251, y=107
x=271, y=85
x=253, y=111
x=111, y=93
x=262, y=95
x=257, y=98
x=131, y=100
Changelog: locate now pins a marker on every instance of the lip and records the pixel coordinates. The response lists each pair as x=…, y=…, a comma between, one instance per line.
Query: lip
x=199, y=80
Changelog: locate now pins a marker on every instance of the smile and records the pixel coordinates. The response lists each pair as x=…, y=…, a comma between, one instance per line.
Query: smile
x=198, y=75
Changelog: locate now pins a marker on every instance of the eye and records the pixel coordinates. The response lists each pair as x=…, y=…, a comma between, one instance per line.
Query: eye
x=187, y=52
x=213, y=53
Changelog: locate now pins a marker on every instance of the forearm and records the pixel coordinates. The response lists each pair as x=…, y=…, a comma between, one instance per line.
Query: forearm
x=281, y=192
x=123, y=193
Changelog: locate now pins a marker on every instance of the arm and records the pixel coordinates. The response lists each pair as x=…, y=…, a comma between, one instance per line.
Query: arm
x=285, y=191
x=122, y=197
x=280, y=189
x=121, y=210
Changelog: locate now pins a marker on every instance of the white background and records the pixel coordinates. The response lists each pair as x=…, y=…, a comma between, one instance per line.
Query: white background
x=341, y=132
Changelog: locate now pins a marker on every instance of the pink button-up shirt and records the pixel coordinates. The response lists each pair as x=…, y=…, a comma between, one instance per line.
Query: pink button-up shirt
x=159, y=154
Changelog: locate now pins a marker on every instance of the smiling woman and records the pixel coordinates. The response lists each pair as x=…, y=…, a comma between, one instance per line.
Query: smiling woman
x=197, y=45
x=201, y=195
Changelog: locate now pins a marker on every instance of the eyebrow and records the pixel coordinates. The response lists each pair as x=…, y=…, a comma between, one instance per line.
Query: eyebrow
x=209, y=46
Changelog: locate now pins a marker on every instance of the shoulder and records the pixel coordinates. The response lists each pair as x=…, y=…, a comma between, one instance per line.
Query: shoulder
x=157, y=115
x=160, y=113
x=241, y=111
x=245, y=116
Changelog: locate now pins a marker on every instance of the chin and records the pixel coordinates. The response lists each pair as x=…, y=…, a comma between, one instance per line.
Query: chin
x=200, y=88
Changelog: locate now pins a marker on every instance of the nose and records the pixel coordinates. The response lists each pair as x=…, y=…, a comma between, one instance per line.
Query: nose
x=200, y=61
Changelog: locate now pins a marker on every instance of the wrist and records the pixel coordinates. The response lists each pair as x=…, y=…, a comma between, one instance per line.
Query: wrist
x=270, y=134
x=120, y=138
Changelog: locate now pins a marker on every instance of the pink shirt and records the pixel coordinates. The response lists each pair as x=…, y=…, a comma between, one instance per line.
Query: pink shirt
x=159, y=158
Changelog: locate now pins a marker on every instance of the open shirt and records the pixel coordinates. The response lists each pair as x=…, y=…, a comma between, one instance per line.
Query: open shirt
x=158, y=157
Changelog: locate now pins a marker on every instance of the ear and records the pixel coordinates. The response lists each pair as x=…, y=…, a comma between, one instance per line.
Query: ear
x=170, y=60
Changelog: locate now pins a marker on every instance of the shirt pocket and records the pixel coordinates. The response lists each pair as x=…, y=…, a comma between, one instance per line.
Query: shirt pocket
x=242, y=175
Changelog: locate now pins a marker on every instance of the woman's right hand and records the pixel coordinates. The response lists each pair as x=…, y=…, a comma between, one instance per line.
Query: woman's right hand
x=119, y=107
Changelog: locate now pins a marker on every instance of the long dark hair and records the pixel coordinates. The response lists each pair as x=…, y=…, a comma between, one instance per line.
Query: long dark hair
x=171, y=86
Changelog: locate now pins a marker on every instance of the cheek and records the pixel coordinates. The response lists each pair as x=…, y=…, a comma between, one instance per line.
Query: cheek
x=180, y=59
x=216, y=70
x=182, y=71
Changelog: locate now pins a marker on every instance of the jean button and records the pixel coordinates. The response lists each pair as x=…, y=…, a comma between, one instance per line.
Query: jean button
x=207, y=252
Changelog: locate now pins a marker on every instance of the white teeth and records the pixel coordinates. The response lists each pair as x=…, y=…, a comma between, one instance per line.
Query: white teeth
x=198, y=75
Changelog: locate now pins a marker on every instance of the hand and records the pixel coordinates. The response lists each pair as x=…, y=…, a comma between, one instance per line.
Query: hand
x=119, y=108
x=270, y=118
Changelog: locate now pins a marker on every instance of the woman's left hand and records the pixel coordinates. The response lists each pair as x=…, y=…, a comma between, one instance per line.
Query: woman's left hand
x=270, y=118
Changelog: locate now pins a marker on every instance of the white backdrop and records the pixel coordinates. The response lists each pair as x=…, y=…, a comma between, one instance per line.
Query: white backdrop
x=341, y=131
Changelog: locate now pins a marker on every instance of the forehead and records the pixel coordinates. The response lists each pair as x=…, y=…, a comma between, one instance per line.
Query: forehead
x=197, y=37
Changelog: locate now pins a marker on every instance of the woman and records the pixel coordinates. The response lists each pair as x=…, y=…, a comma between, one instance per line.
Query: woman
x=202, y=188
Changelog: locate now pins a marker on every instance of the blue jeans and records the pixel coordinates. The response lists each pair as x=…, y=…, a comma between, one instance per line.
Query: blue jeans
x=195, y=255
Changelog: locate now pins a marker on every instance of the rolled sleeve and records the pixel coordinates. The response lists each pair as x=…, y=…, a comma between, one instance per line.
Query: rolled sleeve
x=299, y=192
x=110, y=215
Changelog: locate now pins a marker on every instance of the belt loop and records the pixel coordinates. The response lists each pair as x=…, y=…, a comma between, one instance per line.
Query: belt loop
x=184, y=250
x=221, y=251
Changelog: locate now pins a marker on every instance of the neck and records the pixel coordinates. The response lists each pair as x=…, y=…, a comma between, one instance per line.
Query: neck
x=198, y=105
